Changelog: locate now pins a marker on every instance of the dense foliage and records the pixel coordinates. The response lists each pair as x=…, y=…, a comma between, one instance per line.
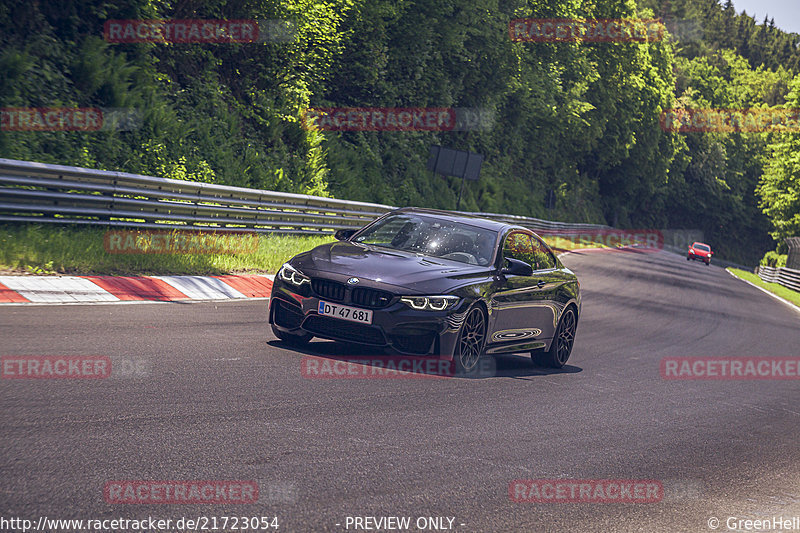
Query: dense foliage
x=578, y=121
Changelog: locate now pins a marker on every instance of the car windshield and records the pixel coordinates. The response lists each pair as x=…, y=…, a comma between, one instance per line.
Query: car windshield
x=432, y=236
x=702, y=247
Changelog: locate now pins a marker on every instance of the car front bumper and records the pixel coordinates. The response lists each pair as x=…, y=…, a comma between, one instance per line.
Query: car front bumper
x=396, y=326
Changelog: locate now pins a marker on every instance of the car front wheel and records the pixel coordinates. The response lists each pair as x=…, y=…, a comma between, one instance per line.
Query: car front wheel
x=470, y=344
x=561, y=346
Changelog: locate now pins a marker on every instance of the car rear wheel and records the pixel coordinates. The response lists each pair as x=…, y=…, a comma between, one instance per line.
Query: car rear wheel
x=561, y=347
x=470, y=344
x=292, y=338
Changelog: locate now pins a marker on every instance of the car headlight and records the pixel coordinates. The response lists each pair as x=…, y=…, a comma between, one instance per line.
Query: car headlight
x=291, y=275
x=429, y=303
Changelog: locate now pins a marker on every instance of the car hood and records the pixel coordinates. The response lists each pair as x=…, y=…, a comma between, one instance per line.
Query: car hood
x=419, y=273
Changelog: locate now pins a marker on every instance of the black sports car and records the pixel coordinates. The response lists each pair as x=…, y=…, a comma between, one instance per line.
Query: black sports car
x=426, y=282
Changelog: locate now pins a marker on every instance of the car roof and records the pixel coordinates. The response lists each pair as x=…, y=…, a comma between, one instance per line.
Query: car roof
x=450, y=216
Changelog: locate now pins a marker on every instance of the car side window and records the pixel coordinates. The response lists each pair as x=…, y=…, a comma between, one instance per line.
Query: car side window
x=544, y=256
x=518, y=246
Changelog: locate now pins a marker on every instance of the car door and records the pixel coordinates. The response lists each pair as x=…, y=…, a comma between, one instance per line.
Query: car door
x=549, y=279
x=522, y=306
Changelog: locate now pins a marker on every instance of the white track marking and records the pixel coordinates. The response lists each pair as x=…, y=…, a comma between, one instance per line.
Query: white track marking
x=57, y=289
x=201, y=287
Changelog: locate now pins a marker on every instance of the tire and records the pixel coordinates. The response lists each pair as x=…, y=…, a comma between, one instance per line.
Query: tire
x=688, y=258
x=291, y=338
x=470, y=344
x=561, y=347
x=708, y=263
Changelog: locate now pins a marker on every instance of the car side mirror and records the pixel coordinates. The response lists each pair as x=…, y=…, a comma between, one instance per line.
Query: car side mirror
x=515, y=267
x=344, y=234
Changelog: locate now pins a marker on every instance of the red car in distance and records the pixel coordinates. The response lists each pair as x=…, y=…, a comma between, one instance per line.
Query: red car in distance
x=700, y=252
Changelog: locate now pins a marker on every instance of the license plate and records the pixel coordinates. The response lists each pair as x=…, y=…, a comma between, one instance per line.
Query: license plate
x=345, y=312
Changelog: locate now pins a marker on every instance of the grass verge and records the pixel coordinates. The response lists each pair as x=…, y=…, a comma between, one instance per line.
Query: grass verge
x=778, y=290
x=81, y=250
x=45, y=249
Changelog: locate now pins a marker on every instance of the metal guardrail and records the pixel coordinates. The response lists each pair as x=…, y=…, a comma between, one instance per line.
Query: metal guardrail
x=788, y=277
x=43, y=193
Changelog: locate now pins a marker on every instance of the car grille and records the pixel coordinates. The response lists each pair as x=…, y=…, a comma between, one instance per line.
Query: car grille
x=343, y=330
x=285, y=316
x=370, y=297
x=328, y=289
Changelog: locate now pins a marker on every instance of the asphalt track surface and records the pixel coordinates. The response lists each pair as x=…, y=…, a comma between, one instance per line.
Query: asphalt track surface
x=215, y=396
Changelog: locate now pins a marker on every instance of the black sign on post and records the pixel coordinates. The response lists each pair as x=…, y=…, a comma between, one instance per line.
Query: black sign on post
x=458, y=163
x=550, y=201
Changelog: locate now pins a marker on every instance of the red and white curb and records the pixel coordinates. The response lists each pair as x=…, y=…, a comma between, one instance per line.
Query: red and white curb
x=119, y=289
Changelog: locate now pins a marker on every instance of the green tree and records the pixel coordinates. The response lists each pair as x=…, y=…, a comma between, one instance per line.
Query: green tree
x=779, y=188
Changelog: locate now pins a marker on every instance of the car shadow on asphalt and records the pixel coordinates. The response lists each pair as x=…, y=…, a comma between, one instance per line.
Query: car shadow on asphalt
x=520, y=366
x=358, y=361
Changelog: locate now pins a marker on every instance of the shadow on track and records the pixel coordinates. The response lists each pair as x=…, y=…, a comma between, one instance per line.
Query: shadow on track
x=394, y=365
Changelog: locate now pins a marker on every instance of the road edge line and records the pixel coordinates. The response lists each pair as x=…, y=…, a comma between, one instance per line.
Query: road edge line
x=762, y=289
